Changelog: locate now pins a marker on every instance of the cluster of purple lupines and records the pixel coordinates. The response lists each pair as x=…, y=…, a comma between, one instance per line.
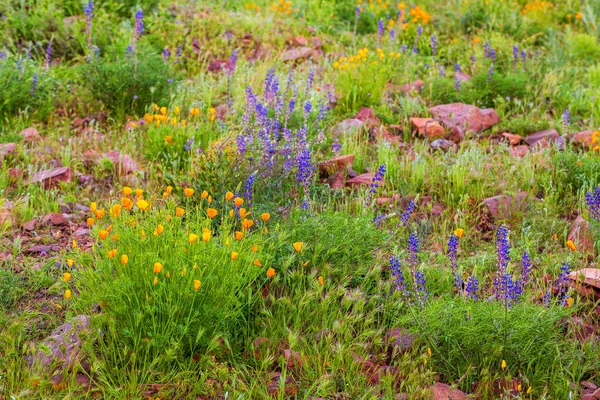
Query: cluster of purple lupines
x=442, y=71
x=421, y=288
x=249, y=188
x=566, y=120
x=380, y=30
x=525, y=268
x=88, y=11
x=592, y=200
x=396, y=268
x=377, y=178
x=452, y=252
x=413, y=250
x=356, y=17
x=507, y=289
x=515, y=56
x=266, y=135
x=434, y=45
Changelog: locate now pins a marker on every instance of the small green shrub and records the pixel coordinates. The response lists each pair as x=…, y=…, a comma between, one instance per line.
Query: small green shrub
x=469, y=340
x=125, y=87
x=27, y=88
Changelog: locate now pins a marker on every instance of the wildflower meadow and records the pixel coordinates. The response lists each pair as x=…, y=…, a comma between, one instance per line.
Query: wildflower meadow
x=303, y=199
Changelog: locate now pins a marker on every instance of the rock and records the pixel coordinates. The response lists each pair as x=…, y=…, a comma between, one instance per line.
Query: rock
x=348, y=126
x=217, y=65
x=362, y=179
x=29, y=225
x=461, y=76
x=293, y=359
x=41, y=250
x=367, y=116
x=296, y=54
x=586, y=282
x=221, y=111
x=519, y=151
x=441, y=391
x=61, y=351
x=462, y=117
x=336, y=164
x=549, y=135
x=512, y=139
x=299, y=41
x=15, y=174
x=581, y=235
x=91, y=156
x=316, y=42
x=428, y=127
x=30, y=135
x=582, y=138
x=504, y=206
x=7, y=149
x=50, y=178
x=415, y=86
x=337, y=181
x=442, y=144
x=124, y=163
x=583, y=331
x=53, y=219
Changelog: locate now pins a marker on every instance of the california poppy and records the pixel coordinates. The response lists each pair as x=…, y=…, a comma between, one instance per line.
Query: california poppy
x=238, y=201
x=270, y=273
x=189, y=192
x=67, y=294
x=204, y=194
x=211, y=212
x=90, y=222
x=239, y=235
x=459, y=232
x=112, y=253
x=103, y=234
x=142, y=205
x=197, y=284
x=93, y=206
x=179, y=211
x=70, y=262
x=192, y=238
x=127, y=191
x=297, y=246
x=158, y=267
x=257, y=262
x=228, y=196
x=124, y=259
x=571, y=245
x=67, y=277
x=265, y=216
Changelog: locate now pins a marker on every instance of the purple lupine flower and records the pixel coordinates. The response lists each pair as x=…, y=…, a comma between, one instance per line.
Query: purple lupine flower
x=515, y=56
x=2, y=55
x=410, y=209
x=48, y=54
x=442, y=71
x=380, y=30
x=547, y=298
x=524, y=59
x=457, y=76
x=434, y=44
x=250, y=106
x=310, y=80
x=139, y=23
x=378, y=177
x=248, y=188
x=403, y=48
x=232, y=62
x=34, y=82
x=178, y=52
x=336, y=147
x=128, y=51
x=188, y=144
x=486, y=49
x=592, y=200
x=490, y=72
x=525, y=268
x=419, y=33
x=502, y=249
x=305, y=168
x=473, y=60
x=88, y=10
x=508, y=290
x=566, y=117
x=421, y=288
x=356, y=17
x=472, y=287
x=242, y=146
x=413, y=249
x=268, y=82
x=452, y=250
x=563, y=283
x=396, y=268
x=166, y=54
x=307, y=108
x=377, y=220
x=392, y=34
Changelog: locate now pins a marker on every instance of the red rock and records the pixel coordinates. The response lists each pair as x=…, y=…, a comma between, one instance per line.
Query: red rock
x=53, y=219
x=503, y=206
x=14, y=174
x=221, y=111
x=41, y=249
x=415, y=86
x=300, y=41
x=362, y=179
x=217, y=65
x=586, y=281
x=7, y=149
x=519, y=151
x=296, y=54
x=382, y=201
x=337, y=181
x=428, y=127
x=316, y=42
x=5, y=217
x=550, y=135
x=50, y=178
x=441, y=391
x=442, y=144
x=90, y=156
x=124, y=163
x=30, y=135
x=367, y=115
x=29, y=225
x=336, y=164
x=348, y=126
x=512, y=139
x=293, y=359
x=461, y=76
x=582, y=138
x=465, y=117
x=583, y=331
x=581, y=235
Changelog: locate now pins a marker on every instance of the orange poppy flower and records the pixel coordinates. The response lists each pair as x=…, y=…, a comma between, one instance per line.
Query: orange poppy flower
x=571, y=245
x=234, y=255
x=112, y=253
x=158, y=267
x=127, y=203
x=239, y=235
x=270, y=273
x=297, y=246
x=204, y=194
x=124, y=259
x=265, y=216
x=179, y=211
x=228, y=196
x=211, y=212
x=238, y=201
x=127, y=191
x=192, y=238
x=189, y=192
x=257, y=262
x=90, y=222
x=247, y=224
x=197, y=284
